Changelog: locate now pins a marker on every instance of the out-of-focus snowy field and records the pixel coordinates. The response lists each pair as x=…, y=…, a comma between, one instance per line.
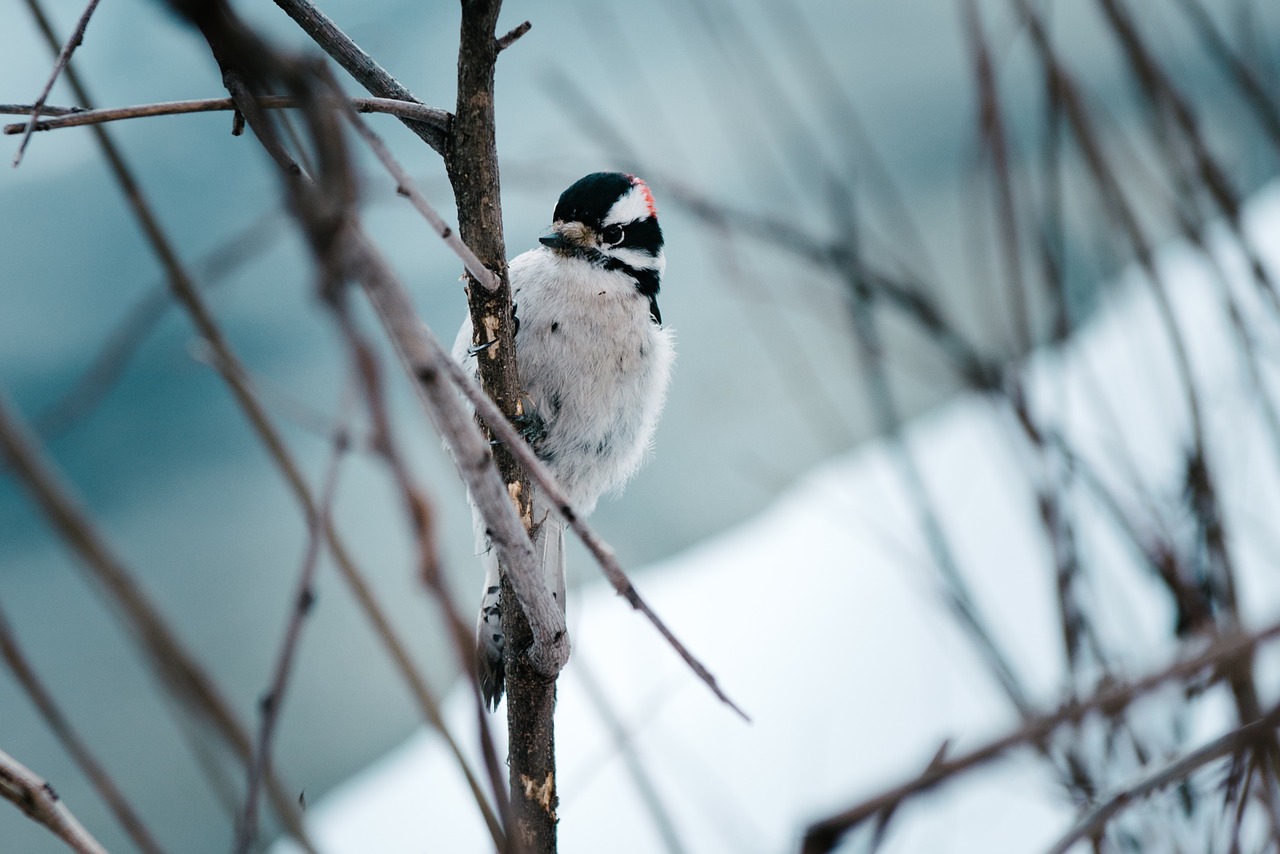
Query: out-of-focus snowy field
x=822, y=616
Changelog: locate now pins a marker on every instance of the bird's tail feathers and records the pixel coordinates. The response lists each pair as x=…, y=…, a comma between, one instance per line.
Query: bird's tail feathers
x=549, y=546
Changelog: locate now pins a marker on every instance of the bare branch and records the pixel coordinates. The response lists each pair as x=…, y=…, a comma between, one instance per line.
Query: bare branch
x=360, y=65
x=64, y=56
x=510, y=38
x=304, y=597
x=427, y=360
x=66, y=117
x=71, y=741
x=824, y=835
x=40, y=802
x=1094, y=821
x=121, y=344
x=30, y=110
x=406, y=186
x=174, y=667
x=472, y=165
x=421, y=518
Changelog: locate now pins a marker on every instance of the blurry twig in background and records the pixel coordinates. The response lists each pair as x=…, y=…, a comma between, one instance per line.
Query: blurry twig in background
x=177, y=671
x=72, y=742
x=364, y=69
x=909, y=250
x=1161, y=92
x=70, y=117
x=1219, y=578
x=1248, y=84
x=38, y=800
x=649, y=792
x=1226, y=652
x=995, y=145
x=303, y=599
x=64, y=56
x=124, y=341
x=1251, y=736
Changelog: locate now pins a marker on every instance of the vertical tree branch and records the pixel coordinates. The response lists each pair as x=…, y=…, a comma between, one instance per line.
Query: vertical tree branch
x=472, y=163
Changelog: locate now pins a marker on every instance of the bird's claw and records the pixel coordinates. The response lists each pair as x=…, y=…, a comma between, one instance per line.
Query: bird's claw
x=477, y=349
x=531, y=425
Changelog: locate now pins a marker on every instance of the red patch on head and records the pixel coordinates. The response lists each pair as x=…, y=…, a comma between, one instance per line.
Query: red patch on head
x=647, y=193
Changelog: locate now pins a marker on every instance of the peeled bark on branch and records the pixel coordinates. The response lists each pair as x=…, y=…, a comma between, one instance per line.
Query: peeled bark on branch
x=472, y=162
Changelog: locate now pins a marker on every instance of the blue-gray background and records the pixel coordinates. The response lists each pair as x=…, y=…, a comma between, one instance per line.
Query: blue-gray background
x=766, y=382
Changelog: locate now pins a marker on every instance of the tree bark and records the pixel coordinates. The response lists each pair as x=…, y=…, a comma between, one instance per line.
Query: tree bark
x=472, y=163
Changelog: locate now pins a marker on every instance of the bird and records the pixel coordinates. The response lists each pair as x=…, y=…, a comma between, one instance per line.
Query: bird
x=594, y=360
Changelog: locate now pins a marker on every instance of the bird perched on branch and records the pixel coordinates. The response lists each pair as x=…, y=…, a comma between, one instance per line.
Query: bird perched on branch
x=594, y=360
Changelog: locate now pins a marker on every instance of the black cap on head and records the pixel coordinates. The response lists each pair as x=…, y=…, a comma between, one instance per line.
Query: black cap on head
x=589, y=199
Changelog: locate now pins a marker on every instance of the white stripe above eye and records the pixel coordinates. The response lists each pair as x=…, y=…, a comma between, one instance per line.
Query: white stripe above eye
x=631, y=206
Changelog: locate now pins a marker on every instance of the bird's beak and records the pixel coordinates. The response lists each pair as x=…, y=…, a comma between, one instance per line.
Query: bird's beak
x=554, y=241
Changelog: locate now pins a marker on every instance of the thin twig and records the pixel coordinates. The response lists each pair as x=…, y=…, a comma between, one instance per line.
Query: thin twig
x=648, y=790
x=303, y=600
x=71, y=741
x=71, y=117
x=45, y=110
x=1248, y=84
x=1213, y=178
x=1094, y=821
x=421, y=518
x=366, y=71
x=64, y=56
x=122, y=343
x=41, y=803
x=995, y=144
x=515, y=33
x=823, y=836
x=406, y=187
x=174, y=667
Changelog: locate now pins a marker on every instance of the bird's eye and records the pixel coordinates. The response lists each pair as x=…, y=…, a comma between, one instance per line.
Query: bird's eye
x=612, y=235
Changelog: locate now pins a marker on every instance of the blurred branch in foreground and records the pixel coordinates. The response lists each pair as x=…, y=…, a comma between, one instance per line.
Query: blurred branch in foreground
x=72, y=741
x=38, y=800
x=174, y=667
x=1223, y=656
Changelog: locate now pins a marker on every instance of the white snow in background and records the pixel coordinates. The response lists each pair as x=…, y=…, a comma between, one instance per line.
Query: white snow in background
x=821, y=617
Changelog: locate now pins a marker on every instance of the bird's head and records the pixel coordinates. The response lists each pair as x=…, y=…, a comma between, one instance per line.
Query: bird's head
x=609, y=218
